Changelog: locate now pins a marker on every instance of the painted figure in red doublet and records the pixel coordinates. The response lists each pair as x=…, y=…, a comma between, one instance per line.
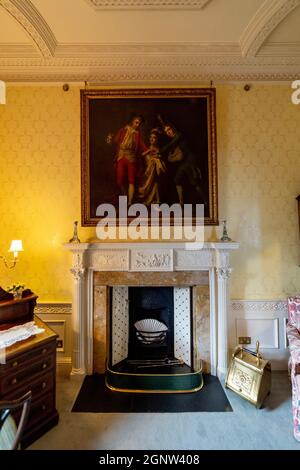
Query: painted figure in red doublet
x=129, y=148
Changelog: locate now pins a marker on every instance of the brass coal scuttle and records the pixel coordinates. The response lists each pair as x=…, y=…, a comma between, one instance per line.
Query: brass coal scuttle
x=249, y=375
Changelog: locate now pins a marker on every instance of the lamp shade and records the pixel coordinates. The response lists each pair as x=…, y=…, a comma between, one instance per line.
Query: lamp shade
x=16, y=246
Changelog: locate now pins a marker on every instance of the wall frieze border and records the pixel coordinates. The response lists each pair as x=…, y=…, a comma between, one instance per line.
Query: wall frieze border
x=264, y=306
x=53, y=308
x=33, y=23
x=237, y=305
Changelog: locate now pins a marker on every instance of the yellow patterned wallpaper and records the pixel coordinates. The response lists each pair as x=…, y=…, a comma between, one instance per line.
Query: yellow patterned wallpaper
x=40, y=185
x=259, y=178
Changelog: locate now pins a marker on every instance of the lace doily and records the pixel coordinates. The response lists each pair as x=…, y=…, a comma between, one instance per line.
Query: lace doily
x=18, y=333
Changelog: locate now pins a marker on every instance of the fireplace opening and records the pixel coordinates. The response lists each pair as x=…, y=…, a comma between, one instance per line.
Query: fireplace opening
x=151, y=324
x=152, y=341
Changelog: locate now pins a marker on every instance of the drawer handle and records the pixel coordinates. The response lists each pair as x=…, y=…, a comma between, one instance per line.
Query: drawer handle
x=44, y=385
x=44, y=351
x=44, y=407
x=13, y=381
x=44, y=366
x=15, y=364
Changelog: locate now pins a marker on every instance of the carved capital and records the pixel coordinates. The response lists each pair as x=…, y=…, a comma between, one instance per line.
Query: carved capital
x=224, y=273
x=77, y=273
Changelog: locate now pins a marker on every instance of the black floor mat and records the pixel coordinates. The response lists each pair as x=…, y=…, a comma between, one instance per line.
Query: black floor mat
x=95, y=397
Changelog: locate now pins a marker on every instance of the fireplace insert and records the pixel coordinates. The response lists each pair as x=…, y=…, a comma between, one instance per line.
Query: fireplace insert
x=152, y=340
x=151, y=323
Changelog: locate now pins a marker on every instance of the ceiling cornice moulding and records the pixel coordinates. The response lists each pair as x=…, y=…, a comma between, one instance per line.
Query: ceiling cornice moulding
x=154, y=70
x=263, y=23
x=157, y=55
x=25, y=13
x=17, y=51
x=205, y=53
x=139, y=79
x=136, y=49
x=289, y=50
x=148, y=4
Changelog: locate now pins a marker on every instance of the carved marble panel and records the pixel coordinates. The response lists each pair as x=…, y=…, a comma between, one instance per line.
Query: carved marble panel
x=100, y=325
x=201, y=327
x=151, y=260
x=150, y=278
x=109, y=260
x=193, y=260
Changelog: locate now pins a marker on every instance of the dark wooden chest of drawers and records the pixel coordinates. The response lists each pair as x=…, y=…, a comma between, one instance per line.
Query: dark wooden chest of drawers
x=31, y=365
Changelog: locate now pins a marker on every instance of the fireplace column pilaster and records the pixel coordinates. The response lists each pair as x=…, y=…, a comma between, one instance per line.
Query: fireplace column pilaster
x=78, y=325
x=223, y=272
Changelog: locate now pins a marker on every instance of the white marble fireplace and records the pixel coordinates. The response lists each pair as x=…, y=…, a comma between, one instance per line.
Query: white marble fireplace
x=90, y=258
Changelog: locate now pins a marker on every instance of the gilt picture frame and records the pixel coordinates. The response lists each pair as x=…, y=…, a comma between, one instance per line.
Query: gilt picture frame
x=171, y=157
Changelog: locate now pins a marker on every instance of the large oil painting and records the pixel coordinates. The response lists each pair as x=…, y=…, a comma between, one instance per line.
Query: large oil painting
x=152, y=145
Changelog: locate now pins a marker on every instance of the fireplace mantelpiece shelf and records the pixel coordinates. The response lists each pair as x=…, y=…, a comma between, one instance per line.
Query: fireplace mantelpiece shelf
x=89, y=258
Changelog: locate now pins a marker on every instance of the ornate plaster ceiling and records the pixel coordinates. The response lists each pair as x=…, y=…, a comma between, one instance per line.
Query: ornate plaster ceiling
x=137, y=4
x=149, y=41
